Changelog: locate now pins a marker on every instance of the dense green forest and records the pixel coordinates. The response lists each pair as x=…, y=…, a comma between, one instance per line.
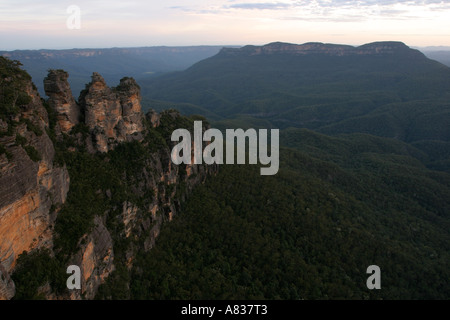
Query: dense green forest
x=364, y=180
x=398, y=94
x=309, y=232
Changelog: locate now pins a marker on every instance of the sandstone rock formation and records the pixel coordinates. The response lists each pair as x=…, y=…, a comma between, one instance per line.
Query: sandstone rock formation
x=130, y=100
x=112, y=115
x=32, y=187
x=61, y=100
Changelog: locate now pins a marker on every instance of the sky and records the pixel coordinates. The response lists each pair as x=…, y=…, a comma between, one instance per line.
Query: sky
x=52, y=24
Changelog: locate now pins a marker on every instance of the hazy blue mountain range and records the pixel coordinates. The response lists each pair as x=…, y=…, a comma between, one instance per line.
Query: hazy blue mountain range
x=385, y=89
x=365, y=136
x=442, y=56
x=112, y=63
x=138, y=62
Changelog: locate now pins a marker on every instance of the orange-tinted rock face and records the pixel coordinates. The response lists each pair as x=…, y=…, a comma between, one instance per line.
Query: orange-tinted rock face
x=25, y=222
x=31, y=189
x=20, y=227
x=28, y=188
x=61, y=100
x=88, y=262
x=95, y=259
x=112, y=115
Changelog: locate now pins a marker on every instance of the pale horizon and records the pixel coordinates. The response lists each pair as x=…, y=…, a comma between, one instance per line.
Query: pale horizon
x=428, y=48
x=27, y=25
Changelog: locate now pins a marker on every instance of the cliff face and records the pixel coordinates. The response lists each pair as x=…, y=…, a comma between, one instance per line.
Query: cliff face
x=61, y=100
x=95, y=259
x=114, y=116
x=34, y=190
x=141, y=223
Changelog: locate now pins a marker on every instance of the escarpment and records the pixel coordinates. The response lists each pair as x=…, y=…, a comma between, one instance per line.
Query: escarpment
x=32, y=187
x=90, y=181
x=323, y=49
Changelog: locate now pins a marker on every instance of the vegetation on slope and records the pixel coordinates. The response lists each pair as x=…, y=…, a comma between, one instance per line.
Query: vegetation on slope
x=402, y=95
x=310, y=232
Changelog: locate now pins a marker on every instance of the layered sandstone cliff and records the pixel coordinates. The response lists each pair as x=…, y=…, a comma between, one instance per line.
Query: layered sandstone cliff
x=32, y=187
x=34, y=190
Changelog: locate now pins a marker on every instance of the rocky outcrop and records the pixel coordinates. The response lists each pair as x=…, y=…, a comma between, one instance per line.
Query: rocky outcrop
x=32, y=187
x=163, y=187
x=130, y=100
x=61, y=100
x=112, y=115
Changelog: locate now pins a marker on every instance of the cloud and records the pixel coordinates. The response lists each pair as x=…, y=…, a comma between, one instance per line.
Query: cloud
x=320, y=9
x=365, y=10
x=366, y=3
x=185, y=21
x=260, y=6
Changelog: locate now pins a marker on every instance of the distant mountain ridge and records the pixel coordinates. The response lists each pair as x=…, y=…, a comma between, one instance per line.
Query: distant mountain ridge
x=112, y=63
x=375, y=48
x=236, y=79
x=443, y=56
x=383, y=88
x=90, y=52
